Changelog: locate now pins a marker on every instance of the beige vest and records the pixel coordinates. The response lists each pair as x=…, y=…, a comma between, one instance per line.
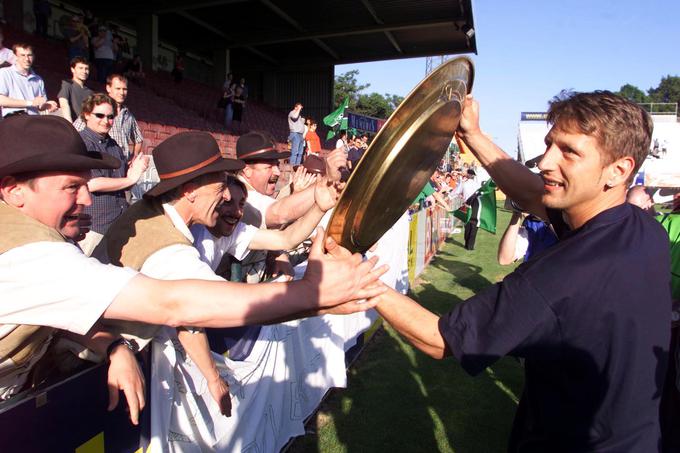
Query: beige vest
x=140, y=232
x=23, y=343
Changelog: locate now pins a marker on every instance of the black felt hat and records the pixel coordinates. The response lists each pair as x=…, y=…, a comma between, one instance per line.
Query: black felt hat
x=256, y=145
x=185, y=156
x=32, y=143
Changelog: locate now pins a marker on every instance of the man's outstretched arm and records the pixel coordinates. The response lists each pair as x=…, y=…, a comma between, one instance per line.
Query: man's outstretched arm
x=417, y=324
x=330, y=280
x=512, y=177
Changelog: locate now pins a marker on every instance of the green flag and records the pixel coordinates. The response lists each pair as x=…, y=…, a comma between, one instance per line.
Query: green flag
x=487, y=206
x=484, y=210
x=335, y=118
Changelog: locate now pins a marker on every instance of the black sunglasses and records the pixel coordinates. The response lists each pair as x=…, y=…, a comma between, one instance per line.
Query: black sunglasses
x=101, y=116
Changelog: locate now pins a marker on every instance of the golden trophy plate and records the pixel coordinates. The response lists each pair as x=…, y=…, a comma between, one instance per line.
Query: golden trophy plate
x=402, y=157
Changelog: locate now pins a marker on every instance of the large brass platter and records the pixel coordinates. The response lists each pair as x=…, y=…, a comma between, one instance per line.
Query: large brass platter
x=402, y=157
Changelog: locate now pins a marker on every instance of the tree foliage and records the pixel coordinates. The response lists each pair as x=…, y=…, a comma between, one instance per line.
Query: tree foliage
x=668, y=90
x=372, y=104
x=633, y=93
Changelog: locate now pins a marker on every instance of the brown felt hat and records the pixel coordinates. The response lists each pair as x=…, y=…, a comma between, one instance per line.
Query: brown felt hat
x=315, y=164
x=185, y=156
x=257, y=145
x=32, y=143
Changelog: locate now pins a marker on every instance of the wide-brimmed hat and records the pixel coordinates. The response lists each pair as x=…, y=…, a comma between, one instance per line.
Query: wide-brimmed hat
x=315, y=165
x=185, y=156
x=256, y=145
x=46, y=143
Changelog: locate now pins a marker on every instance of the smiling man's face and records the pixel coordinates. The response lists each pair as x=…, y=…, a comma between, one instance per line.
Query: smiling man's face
x=57, y=200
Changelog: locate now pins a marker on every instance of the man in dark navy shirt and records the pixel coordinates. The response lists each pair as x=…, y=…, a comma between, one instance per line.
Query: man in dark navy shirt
x=591, y=315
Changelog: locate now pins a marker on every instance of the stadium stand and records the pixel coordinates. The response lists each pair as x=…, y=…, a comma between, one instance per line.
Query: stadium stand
x=161, y=107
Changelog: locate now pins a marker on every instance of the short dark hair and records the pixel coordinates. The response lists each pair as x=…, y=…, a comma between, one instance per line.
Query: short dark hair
x=621, y=127
x=79, y=60
x=96, y=99
x=234, y=181
x=114, y=76
x=21, y=45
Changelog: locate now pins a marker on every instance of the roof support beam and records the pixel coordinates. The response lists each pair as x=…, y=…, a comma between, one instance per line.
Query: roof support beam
x=379, y=21
x=221, y=34
x=348, y=32
x=296, y=25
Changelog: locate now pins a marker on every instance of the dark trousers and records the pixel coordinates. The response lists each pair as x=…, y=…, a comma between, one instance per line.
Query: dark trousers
x=471, y=226
x=470, y=234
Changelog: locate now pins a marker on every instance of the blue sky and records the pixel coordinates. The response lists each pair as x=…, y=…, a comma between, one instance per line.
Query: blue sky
x=530, y=50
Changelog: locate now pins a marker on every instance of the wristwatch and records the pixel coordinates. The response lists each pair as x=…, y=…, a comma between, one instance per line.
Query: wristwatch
x=130, y=344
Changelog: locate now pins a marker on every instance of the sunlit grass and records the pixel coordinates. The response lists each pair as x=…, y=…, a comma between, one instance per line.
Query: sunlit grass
x=400, y=400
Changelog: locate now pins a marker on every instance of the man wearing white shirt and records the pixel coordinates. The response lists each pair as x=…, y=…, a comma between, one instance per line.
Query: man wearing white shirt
x=21, y=89
x=49, y=284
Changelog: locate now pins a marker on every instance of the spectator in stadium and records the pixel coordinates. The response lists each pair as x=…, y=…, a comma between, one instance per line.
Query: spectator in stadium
x=107, y=186
x=312, y=139
x=296, y=126
x=594, y=354
x=49, y=284
x=244, y=88
x=104, y=53
x=640, y=197
x=73, y=92
x=239, y=104
x=261, y=174
x=525, y=236
x=42, y=11
x=21, y=89
x=469, y=190
x=355, y=153
x=178, y=69
x=233, y=237
x=228, y=93
x=341, y=142
x=78, y=38
x=125, y=130
x=670, y=401
x=154, y=237
x=7, y=57
x=135, y=70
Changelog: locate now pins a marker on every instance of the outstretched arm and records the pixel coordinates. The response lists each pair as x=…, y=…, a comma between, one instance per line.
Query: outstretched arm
x=330, y=280
x=513, y=178
x=417, y=324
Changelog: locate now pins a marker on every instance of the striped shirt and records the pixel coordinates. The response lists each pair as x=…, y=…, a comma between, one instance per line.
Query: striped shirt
x=106, y=206
x=124, y=131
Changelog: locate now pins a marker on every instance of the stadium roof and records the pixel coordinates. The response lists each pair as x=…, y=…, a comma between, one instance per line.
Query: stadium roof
x=293, y=33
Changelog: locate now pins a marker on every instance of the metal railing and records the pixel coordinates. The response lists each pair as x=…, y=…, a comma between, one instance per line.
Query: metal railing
x=660, y=108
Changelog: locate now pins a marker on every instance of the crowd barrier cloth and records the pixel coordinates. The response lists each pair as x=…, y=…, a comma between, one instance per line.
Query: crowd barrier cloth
x=279, y=385
x=428, y=229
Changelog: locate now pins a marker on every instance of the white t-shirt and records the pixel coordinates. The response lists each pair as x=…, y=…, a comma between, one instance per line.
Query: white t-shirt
x=178, y=261
x=6, y=55
x=52, y=284
x=212, y=249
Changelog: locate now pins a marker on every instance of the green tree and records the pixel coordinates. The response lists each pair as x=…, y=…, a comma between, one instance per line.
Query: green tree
x=633, y=93
x=372, y=104
x=346, y=85
x=667, y=91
